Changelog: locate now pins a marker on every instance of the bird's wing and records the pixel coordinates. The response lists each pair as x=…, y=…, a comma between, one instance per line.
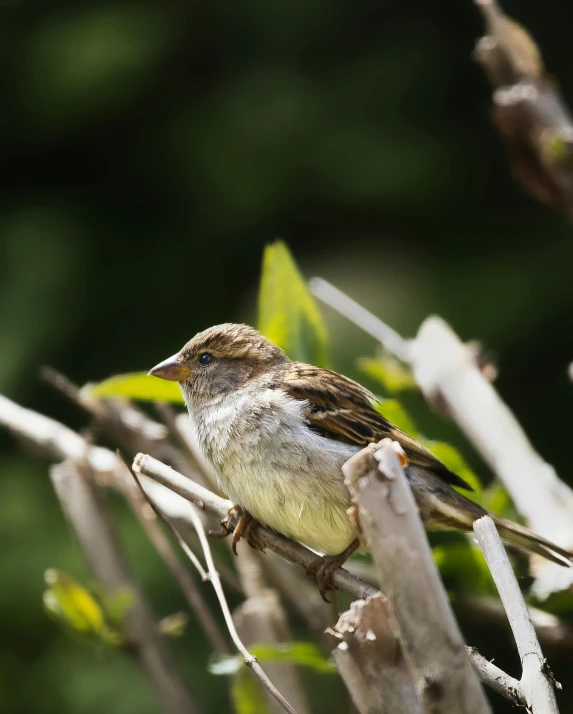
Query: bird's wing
x=340, y=409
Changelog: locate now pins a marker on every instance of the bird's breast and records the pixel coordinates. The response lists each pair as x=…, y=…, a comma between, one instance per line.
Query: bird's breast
x=272, y=464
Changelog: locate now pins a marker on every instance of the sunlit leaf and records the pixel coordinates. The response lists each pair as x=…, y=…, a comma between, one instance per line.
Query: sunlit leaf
x=392, y=410
x=303, y=654
x=288, y=314
x=71, y=602
x=390, y=373
x=453, y=459
x=246, y=694
x=137, y=385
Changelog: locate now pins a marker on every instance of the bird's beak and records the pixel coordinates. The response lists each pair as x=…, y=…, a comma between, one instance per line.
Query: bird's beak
x=172, y=369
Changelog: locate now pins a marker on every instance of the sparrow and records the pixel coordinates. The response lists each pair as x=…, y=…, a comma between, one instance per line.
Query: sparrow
x=277, y=432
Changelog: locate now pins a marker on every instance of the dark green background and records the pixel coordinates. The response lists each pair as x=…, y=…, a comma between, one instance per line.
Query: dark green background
x=150, y=150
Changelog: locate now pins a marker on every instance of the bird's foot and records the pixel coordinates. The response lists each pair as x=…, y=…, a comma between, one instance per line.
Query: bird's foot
x=246, y=528
x=324, y=567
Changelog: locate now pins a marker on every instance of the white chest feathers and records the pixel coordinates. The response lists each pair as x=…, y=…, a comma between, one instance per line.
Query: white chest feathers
x=268, y=461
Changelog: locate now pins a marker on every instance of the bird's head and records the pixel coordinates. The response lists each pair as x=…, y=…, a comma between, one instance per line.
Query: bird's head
x=219, y=361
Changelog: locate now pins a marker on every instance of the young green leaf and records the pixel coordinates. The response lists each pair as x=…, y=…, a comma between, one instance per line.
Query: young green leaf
x=136, y=385
x=288, y=314
x=72, y=603
x=303, y=654
x=390, y=373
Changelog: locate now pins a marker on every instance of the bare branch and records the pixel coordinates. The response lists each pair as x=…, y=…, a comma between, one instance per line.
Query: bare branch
x=443, y=675
x=354, y=312
x=447, y=374
x=370, y=660
x=83, y=505
x=139, y=502
x=496, y=678
x=536, y=683
x=213, y=576
x=529, y=113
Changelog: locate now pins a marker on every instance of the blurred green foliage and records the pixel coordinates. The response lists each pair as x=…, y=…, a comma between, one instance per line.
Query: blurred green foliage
x=151, y=149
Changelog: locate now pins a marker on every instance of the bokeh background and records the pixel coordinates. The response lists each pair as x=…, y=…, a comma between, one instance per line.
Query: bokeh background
x=151, y=149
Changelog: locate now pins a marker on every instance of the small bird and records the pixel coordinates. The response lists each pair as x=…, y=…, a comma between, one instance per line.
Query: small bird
x=277, y=433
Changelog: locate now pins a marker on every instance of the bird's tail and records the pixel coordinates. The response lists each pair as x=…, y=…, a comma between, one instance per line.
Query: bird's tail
x=443, y=508
x=525, y=539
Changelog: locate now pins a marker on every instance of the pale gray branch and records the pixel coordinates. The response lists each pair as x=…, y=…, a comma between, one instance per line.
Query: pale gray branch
x=370, y=660
x=444, y=678
x=536, y=683
x=497, y=679
x=446, y=372
x=354, y=312
x=83, y=505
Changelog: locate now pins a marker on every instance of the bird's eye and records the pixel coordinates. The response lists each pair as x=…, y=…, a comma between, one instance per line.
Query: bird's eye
x=205, y=359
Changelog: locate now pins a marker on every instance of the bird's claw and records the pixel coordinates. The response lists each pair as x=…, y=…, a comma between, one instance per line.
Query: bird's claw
x=246, y=527
x=323, y=568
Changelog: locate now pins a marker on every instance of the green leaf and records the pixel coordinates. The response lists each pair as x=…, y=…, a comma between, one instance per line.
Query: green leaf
x=136, y=385
x=246, y=694
x=392, y=410
x=390, y=373
x=303, y=654
x=288, y=314
x=454, y=460
x=71, y=602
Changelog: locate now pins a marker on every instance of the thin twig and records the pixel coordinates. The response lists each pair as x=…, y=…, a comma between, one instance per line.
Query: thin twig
x=213, y=576
x=348, y=307
x=536, y=683
x=139, y=501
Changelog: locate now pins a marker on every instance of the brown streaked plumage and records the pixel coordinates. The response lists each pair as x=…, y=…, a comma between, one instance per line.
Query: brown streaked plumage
x=277, y=432
x=341, y=409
